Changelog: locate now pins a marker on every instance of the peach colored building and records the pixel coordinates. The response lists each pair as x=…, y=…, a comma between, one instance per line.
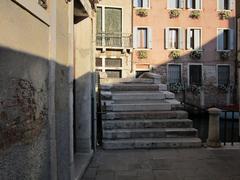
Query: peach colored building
x=189, y=42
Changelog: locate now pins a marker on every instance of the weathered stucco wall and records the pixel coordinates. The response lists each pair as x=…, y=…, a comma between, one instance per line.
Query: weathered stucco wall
x=24, y=50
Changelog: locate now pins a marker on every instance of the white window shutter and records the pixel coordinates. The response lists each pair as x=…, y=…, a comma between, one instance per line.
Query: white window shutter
x=182, y=2
x=145, y=4
x=149, y=38
x=197, y=39
x=181, y=37
x=220, y=4
x=189, y=4
x=135, y=3
x=171, y=4
x=231, y=4
x=188, y=39
x=135, y=39
x=167, y=38
x=231, y=39
x=198, y=4
x=220, y=39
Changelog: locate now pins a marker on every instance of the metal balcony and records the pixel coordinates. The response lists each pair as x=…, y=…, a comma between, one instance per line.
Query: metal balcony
x=114, y=41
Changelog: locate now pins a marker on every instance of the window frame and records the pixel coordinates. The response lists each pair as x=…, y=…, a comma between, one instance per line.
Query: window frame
x=147, y=27
x=188, y=71
x=35, y=9
x=103, y=68
x=217, y=66
x=192, y=9
x=229, y=8
x=201, y=38
x=180, y=29
x=178, y=8
x=181, y=71
x=149, y=6
x=225, y=50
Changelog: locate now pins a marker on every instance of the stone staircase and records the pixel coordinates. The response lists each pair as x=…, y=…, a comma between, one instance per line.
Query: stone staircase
x=142, y=114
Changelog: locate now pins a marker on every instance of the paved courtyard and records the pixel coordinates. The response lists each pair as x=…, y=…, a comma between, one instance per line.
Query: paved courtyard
x=173, y=164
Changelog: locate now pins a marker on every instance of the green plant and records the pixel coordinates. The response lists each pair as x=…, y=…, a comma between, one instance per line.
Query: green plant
x=224, y=14
x=174, y=13
x=195, y=89
x=195, y=14
x=175, y=54
x=142, y=54
x=195, y=55
x=176, y=87
x=142, y=12
x=225, y=55
x=225, y=88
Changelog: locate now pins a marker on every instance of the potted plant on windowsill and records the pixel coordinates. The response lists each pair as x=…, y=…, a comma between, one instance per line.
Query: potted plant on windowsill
x=195, y=89
x=225, y=88
x=174, y=13
x=142, y=12
x=195, y=14
x=142, y=54
x=175, y=54
x=176, y=87
x=224, y=55
x=195, y=54
x=224, y=14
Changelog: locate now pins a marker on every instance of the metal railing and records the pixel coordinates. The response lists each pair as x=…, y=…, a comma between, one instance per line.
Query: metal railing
x=116, y=40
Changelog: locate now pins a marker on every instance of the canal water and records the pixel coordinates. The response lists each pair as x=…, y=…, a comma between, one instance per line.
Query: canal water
x=201, y=120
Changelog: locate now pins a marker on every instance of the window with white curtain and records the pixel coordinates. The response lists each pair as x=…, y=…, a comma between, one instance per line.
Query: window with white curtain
x=174, y=38
x=142, y=37
x=174, y=73
x=194, y=37
x=194, y=4
x=226, y=4
x=225, y=39
x=141, y=3
x=175, y=4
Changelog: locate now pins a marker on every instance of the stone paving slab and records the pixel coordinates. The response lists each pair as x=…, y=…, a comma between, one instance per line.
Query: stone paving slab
x=172, y=164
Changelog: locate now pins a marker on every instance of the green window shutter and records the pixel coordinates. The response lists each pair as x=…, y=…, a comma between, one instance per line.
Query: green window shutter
x=231, y=4
x=145, y=4
x=231, y=39
x=198, y=4
x=166, y=38
x=189, y=4
x=180, y=36
x=149, y=38
x=197, y=36
x=182, y=3
x=135, y=39
x=220, y=39
x=220, y=4
x=188, y=39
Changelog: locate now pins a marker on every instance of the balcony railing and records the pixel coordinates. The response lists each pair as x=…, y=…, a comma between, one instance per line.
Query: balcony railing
x=114, y=40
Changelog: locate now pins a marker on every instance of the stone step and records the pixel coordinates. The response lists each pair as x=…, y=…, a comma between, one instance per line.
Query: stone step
x=149, y=133
x=139, y=107
x=137, y=95
x=152, y=143
x=149, y=123
x=146, y=115
x=134, y=87
x=127, y=80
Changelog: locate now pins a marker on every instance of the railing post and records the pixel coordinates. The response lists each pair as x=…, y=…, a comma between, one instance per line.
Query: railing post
x=214, y=128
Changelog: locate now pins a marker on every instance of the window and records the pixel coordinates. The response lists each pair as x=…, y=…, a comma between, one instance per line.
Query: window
x=194, y=38
x=174, y=73
x=173, y=38
x=226, y=4
x=223, y=75
x=109, y=27
x=175, y=4
x=194, y=4
x=141, y=3
x=142, y=38
x=112, y=66
x=195, y=75
x=225, y=39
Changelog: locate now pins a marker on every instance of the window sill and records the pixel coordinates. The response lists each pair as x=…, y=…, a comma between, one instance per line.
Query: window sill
x=174, y=49
x=175, y=9
x=143, y=49
x=229, y=10
x=142, y=8
x=35, y=9
x=224, y=50
x=190, y=9
x=201, y=50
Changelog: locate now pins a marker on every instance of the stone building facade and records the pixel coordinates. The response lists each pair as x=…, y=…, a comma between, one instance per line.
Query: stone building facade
x=114, y=38
x=45, y=77
x=191, y=43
